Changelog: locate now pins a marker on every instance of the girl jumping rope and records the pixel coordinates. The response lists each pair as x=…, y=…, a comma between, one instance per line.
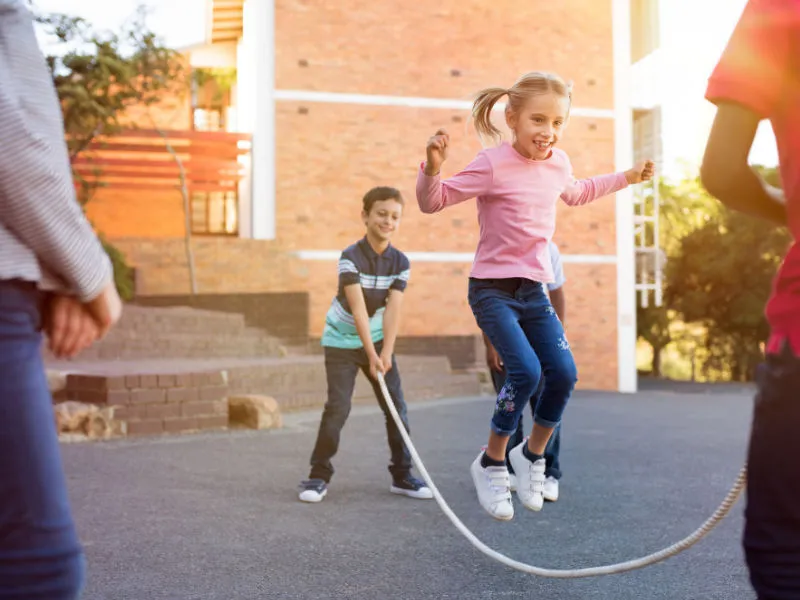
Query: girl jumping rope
x=517, y=186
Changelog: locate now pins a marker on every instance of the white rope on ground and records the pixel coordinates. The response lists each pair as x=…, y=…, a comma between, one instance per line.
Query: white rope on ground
x=622, y=567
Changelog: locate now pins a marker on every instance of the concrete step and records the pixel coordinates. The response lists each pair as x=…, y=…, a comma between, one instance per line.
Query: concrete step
x=297, y=382
x=180, y=319
x=414, y=390
x=301, y=384
x=307, y=374
x=180, y=332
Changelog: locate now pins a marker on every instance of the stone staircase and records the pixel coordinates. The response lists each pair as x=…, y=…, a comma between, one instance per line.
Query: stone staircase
x=157, y=356
x=179, y=332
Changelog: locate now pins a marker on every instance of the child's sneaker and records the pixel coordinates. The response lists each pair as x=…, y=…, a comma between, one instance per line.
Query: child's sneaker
x=411, y=487
x=530, y=478
x=494, y=489
x=313, y=490
x=512, y=478
x=550, y=491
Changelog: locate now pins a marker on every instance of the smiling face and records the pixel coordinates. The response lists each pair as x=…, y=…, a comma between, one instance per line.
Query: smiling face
x=383, y=219
x=538, y=124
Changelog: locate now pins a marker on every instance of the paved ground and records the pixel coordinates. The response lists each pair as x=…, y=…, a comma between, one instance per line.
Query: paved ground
x=216, y=516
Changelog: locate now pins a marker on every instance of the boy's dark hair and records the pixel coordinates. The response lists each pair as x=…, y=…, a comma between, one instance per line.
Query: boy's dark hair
x=380, y=193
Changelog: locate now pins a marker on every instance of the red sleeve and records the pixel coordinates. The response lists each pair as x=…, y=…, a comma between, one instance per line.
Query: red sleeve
x=755, y=66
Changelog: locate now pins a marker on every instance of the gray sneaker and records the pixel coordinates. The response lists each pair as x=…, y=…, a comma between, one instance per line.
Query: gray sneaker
x=411, y=487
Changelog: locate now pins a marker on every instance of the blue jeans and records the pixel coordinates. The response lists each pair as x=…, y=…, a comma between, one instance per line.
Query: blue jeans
x=553, y=449
x=341, y=367
x=40, y=556
x=517, y=317
x=772, y=516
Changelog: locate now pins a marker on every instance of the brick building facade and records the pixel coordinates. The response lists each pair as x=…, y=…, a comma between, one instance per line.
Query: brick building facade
x=340, y=98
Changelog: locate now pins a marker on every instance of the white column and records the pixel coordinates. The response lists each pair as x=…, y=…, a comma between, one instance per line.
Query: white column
x=623, y=158
x=259, y=39
x=245, y=119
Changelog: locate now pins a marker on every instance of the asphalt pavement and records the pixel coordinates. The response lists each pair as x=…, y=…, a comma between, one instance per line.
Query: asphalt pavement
x=215, y=516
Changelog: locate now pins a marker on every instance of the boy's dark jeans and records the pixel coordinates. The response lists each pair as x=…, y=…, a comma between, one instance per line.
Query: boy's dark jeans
x=772, y=516
x=342, y=366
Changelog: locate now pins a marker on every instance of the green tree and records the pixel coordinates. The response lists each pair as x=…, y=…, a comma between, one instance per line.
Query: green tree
x=721, y=278
x=653, y=326
x=98, y=77
x=684, y=207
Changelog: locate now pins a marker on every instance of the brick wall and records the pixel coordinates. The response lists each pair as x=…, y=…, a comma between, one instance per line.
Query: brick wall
x=366, y=146
x=429, y=50
x=158, y=403
x=328, y=155
x=221, y=265
x=410, y=49
x=435, y=306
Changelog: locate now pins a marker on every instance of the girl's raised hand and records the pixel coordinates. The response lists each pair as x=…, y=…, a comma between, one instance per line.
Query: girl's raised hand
x=643, y=171
x=436, y=151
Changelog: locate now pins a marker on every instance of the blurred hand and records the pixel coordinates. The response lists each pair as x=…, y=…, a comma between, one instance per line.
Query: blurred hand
x=69, y=326
x=105, y=309
x=436, y=151
x=493, y=360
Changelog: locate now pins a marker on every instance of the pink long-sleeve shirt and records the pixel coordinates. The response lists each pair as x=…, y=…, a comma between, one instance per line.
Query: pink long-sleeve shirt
x=516, y=200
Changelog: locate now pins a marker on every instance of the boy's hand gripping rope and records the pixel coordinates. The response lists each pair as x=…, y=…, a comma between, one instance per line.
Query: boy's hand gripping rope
x=622, y=567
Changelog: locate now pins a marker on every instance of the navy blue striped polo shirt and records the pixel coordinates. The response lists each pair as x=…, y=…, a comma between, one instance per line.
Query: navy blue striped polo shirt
x=377, y=274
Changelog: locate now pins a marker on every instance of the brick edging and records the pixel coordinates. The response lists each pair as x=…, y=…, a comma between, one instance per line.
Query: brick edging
x=151, y=404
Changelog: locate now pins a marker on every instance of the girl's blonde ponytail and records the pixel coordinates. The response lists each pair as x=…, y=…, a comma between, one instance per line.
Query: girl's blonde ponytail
x=482, y=112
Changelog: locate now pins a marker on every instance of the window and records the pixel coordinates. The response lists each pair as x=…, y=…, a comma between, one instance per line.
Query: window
x=644, y=28
x=208, y=119
x=646, y=134
x=215, y=213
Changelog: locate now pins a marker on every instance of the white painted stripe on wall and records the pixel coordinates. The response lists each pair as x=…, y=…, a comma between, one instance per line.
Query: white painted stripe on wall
x=457, y=257
x=623, y=158
x=589, y=259
x=413, y=102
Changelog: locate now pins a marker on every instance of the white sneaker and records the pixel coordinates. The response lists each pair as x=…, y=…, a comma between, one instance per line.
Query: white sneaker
x=493, y=487
x=512, y=477
x=530, y=478
x=313, y=490
x=550, y=491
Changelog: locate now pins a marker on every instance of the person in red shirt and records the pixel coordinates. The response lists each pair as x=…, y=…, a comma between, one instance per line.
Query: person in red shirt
x=758, y=77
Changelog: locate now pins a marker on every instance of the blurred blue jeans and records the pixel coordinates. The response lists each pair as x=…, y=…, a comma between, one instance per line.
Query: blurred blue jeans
x=40, y=555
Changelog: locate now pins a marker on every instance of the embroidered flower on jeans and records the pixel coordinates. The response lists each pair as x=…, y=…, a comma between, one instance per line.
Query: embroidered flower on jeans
x=507, y=392
x=505, y=399
x=508, y=407
x=551, y=310
x=563, y=344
